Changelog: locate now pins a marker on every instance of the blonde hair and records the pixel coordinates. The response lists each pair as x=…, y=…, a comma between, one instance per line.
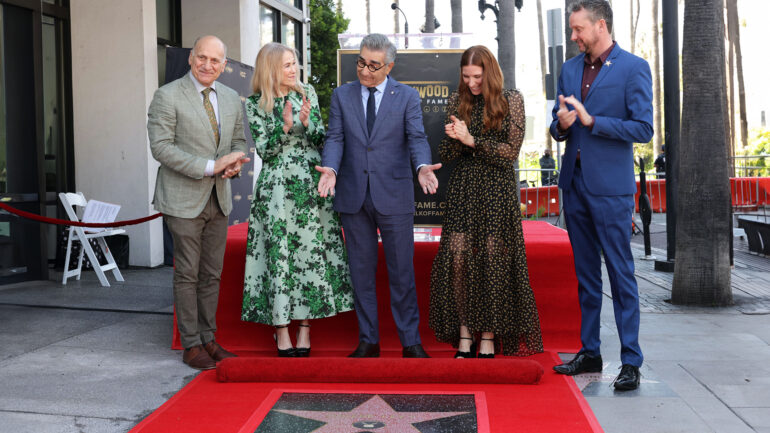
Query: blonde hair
x=268, y=72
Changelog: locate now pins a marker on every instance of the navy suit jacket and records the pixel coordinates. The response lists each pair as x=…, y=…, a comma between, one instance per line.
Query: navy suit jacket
x=620, y=100
x=386, y=159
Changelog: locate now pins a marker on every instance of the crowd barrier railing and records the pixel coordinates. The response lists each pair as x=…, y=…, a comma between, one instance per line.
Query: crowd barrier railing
x=746, y=193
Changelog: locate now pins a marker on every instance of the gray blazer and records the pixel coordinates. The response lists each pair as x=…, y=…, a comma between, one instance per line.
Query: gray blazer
x=182, y=141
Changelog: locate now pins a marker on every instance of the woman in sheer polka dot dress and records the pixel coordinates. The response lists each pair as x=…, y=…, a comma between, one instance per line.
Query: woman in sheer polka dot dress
x=480, y=290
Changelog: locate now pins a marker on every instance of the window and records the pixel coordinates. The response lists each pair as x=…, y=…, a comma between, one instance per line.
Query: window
x=267, y=26
x=168, y=18
x=284, y=24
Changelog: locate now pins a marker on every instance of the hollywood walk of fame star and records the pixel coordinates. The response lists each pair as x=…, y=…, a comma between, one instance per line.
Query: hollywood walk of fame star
x=374, y=414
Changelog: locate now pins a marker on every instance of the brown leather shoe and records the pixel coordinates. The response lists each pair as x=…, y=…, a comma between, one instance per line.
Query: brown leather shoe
x=197, y=358
x=217, y=352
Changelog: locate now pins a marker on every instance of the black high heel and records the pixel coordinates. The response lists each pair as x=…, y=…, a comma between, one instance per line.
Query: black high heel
x=302, y=352
x=486, y=355
x=470, y=353
x=284, y=353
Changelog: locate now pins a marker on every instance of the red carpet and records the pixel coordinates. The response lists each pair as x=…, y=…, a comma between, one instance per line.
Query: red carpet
x=379, y=370
x=207, y=405
x=552, y=275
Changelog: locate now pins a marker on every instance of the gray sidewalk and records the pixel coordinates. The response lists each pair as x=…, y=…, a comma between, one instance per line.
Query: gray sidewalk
x=85, y=358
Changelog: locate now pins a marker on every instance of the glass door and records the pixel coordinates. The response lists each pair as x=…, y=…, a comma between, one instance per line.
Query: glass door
x=35, y=133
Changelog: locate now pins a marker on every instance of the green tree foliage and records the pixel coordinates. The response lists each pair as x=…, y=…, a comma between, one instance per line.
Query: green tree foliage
x=326, y=22
x=759, y=146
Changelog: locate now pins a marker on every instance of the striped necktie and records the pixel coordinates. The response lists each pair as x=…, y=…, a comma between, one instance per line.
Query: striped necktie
x=210, y=112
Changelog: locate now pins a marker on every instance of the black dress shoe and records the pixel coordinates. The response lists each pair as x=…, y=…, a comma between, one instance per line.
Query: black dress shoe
x=284, y=353
x=628, y=379
x=581, y=363
x=486, y=355
x=301, y=352
x=366, y=350
x=414, y=351
x=471, y=353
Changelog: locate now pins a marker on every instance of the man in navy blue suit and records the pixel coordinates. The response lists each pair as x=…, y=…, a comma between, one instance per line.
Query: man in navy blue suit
x=605, y=105
x=374, y=144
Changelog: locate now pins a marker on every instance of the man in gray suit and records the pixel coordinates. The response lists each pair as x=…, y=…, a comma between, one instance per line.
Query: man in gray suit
x=374, y=145
x=196, y=133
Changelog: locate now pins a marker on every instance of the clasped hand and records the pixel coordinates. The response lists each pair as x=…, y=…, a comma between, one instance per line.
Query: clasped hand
x=230, y=164
x=458, y=130
x=288, y=115
x=567, y=117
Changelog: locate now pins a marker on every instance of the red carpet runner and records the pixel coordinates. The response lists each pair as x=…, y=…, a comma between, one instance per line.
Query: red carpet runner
x=552, y=276
x=241, y=400
x=555, y=405
x=378, y=370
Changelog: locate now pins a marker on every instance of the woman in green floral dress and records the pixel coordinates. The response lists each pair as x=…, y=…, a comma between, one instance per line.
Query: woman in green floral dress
x=296, y=267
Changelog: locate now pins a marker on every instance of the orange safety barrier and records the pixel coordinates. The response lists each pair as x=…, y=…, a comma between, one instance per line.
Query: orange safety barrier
x=745, y=192
x=540, y=201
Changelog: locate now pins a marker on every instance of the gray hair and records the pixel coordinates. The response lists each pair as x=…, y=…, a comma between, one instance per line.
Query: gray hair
x=195, y=43
x=381, y=43
x=597, y=10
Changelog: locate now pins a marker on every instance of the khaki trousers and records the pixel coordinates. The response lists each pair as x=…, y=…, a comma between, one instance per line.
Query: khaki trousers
x=199, y=249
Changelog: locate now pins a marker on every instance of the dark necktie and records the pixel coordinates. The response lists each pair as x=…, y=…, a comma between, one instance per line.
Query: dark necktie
x=371, y=113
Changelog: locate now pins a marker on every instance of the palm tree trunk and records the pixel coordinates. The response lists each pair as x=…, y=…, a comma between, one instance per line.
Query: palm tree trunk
x=506, y=45
x=702, y=270
x=457, y=16
x=543, y=61
x=656, y=94
x=430, y=25
x=730, y=87
x=735, y=41
x=368, y=18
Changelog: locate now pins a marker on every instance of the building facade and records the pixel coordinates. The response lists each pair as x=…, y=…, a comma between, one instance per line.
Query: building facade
x=76, y=79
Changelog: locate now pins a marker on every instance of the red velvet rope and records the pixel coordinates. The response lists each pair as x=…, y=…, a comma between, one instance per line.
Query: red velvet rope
x=61, y=222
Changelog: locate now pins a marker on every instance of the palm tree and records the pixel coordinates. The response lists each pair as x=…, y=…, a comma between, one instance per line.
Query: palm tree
x=634, y=23
x=703, y=232
x=656, y=95
x=430, y=24
x=457, y=16
x=570, y=48
x=506, y=44
x=368, y=19
x=735, y=44
x=543, y=61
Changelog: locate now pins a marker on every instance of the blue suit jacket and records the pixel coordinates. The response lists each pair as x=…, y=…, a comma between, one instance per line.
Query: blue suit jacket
x=386, y=160
x=620, y=99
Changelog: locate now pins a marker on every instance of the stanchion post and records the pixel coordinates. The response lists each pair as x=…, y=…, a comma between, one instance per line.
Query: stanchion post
x=645, y=211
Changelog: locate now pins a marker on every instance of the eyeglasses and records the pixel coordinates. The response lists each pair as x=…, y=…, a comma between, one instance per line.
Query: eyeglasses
x=361, y=63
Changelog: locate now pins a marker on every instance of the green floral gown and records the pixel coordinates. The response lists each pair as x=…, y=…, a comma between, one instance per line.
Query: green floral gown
x=296, y=265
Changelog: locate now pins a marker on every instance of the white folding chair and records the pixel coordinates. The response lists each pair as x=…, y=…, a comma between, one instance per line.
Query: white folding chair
x=70, y=201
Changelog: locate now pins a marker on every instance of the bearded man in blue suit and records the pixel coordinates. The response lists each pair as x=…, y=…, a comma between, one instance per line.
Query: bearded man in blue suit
x=605, y=105
x=374, y=144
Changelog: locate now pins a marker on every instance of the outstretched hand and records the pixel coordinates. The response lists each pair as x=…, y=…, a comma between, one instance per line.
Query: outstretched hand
x=427, y=178
x=327, y=181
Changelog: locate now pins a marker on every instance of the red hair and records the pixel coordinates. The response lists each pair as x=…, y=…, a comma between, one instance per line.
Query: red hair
x=495, y=105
